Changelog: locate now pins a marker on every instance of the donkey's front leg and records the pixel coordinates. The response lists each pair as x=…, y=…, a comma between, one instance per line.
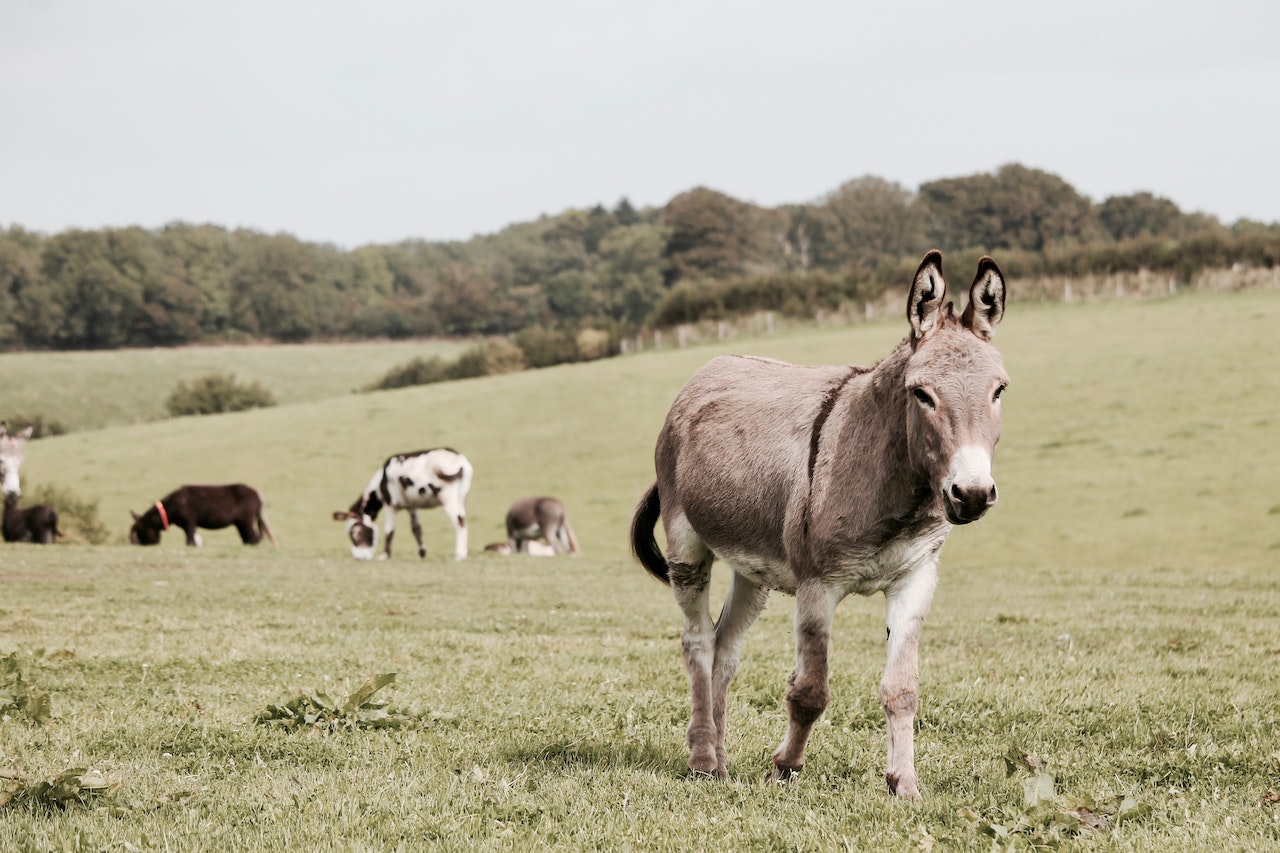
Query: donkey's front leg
x=808, y=693
x=906, y=604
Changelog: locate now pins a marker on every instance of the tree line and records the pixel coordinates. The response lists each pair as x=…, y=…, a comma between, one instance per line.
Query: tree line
x=608, y=271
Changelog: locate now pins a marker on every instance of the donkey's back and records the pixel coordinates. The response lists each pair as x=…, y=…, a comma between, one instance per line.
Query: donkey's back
x=733, y=457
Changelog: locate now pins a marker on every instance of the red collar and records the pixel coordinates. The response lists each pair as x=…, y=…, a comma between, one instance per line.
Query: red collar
x=164, y=516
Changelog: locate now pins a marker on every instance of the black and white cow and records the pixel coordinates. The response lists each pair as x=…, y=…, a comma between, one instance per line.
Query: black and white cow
x=410, y=481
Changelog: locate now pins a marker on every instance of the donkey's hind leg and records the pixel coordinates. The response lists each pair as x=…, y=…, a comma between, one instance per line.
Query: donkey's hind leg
x=743, y=603
x=689, y=568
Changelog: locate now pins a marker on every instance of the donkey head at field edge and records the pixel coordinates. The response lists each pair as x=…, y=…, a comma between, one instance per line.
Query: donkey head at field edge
x=11, y=458
x=956, y=378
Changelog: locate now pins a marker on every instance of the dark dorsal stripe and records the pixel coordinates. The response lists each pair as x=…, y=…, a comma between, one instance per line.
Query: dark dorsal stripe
x=824, y=412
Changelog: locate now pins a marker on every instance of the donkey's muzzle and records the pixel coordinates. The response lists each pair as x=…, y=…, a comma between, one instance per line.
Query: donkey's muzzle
x=964, y=504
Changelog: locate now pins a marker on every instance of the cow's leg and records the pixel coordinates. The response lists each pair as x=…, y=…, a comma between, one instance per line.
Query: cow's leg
x=454, y=507
x=807, y=692
x=742, y=605
x=389, y=532
x=689, y=568
x=906, y=604
x=417, y=531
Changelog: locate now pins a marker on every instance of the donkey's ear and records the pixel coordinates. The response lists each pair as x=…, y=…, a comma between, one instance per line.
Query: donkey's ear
x=986, y=300
x=136, y=517
x=4, y=428
x=26, y=433
x=928, y=289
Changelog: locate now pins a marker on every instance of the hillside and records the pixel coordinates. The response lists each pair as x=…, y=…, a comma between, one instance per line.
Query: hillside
x=1134, y=431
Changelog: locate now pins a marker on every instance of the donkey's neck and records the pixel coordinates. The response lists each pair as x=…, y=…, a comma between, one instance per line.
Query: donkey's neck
x=871, y=478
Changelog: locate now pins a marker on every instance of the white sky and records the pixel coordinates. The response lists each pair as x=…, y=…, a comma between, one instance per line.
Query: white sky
x=369, y=122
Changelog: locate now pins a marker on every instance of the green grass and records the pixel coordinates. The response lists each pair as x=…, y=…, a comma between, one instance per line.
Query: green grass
x=1116, y=616
x=91, y=390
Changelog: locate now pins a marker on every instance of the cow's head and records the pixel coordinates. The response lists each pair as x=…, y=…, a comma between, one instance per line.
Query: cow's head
x=362, y=532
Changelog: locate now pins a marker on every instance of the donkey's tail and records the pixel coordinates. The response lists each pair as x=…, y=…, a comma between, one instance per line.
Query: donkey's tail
x=262, y=520
x=572, y=543
x=643, y=543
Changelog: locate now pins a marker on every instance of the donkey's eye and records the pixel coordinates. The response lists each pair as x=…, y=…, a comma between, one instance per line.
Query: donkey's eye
x=924, y=397
x=999, y=391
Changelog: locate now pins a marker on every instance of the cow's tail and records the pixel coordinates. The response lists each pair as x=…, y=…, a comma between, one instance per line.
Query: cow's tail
x=643, y=543
x=262, y=520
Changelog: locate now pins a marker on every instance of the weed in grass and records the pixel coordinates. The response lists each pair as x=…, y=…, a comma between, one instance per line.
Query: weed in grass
x=18, y=697
x=359, y=711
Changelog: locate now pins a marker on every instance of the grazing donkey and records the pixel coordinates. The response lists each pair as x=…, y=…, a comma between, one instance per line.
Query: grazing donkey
x=412, y=481
x=37, y=524
x=11, y=458
x=532, y=519
x=821, y=482
x=210, y=507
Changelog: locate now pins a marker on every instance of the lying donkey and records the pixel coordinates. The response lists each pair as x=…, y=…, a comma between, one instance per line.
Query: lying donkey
x=210, y=507
x=821, y=482
x=533, y=519
x=37, y=523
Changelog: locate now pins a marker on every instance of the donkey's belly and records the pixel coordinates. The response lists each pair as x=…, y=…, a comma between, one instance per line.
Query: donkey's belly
x=762, y=571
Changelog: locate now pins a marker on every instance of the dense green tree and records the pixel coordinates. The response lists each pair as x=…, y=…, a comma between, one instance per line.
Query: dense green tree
x=1014, y=208
x=876, y=217
x=98, y=280
x=711, y=235
x=1140, y=214
x=632, y=270
x=19, y=271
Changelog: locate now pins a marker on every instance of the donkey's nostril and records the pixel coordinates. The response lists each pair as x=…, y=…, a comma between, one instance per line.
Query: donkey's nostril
x=957, y=494
x=992, y=496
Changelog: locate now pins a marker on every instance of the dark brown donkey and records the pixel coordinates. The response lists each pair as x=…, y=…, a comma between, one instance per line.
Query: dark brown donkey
x=210, y=507
x=821, y=482
x=38, y=524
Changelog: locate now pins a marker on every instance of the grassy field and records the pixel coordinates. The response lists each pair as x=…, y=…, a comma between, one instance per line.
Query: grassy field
x=1116, y=618
x=91, y=390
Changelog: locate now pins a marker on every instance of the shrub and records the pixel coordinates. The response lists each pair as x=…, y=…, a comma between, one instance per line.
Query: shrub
x=77, y=516
x=416, y=371
x=41, y=426
x=545, y=347
x=595, y=343
x=217, y=392
x=488, y=359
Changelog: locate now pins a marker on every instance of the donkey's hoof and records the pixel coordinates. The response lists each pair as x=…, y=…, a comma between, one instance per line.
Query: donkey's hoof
x=422, y=552
x=703, y=763
x=904, y=788
x=783, y=776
